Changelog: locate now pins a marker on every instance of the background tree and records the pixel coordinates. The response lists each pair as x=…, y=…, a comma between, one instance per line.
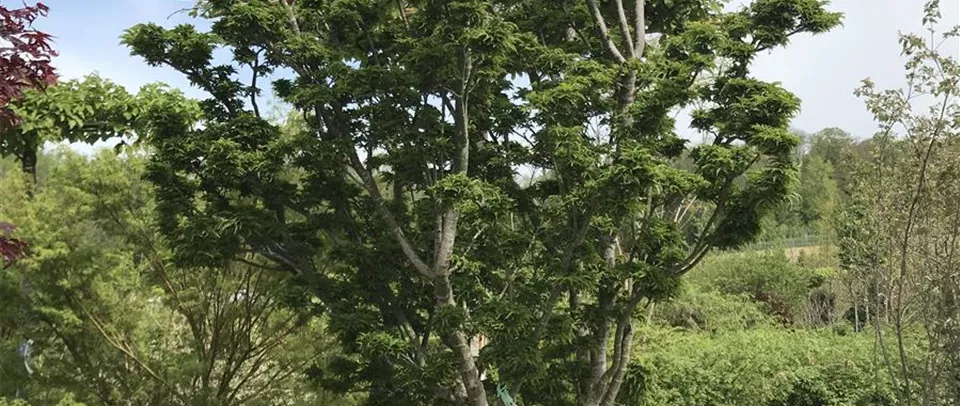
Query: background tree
x=836, y=147
x=113, y=322
x=818, y=193
x=901, y=227
x=827, y=162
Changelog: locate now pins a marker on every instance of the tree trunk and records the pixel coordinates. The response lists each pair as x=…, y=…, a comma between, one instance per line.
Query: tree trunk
x=604, y=390
x=610, y=397
x=628, y=94
x=28, y=162
x=457, y=341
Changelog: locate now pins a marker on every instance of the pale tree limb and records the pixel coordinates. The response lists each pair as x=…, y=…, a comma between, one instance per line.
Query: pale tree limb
x=392, y=224
x=703, y=246
x=557, y=291
x=604, y=31
x=905, y=242
x=450, y=218
x=625, y=29
x=609, y=384
x=121, y=346
x=640, y=29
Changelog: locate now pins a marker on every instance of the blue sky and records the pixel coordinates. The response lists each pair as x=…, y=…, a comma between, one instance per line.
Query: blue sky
x=88, y=38
x=821, y=70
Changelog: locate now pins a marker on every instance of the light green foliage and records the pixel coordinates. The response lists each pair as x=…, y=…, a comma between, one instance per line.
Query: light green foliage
x=113, y=320
x=827, y=159
x=780, y=286
x=77, y=110
x=818, y=193
x=764, y=366
x=700, y=310
x=395, y=201
x=82, y=110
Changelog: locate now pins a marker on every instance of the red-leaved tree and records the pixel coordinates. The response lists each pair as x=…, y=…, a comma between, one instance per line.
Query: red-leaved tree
x=25, y=54
x=11, y=248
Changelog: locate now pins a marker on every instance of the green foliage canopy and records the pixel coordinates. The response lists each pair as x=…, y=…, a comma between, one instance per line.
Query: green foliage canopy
x=396, y=200
x=113, y=321
x=81, y=110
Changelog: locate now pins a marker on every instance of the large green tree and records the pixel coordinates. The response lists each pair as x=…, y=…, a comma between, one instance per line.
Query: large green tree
x=397, y=201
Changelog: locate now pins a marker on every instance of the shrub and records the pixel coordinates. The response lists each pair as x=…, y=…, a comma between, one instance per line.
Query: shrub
x=761, y=366
x=781, y=287
x=711, y=311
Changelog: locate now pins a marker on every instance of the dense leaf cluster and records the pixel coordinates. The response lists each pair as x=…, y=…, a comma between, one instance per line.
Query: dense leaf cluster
x=109, y=319
x=85, y=110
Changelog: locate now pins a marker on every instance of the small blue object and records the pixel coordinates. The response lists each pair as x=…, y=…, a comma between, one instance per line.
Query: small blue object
x=24, y=352
x=505, y=395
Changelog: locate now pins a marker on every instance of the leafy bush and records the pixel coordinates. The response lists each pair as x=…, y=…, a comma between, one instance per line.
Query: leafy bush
x=711, y=311
x=762, y=366
x=769, y=278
